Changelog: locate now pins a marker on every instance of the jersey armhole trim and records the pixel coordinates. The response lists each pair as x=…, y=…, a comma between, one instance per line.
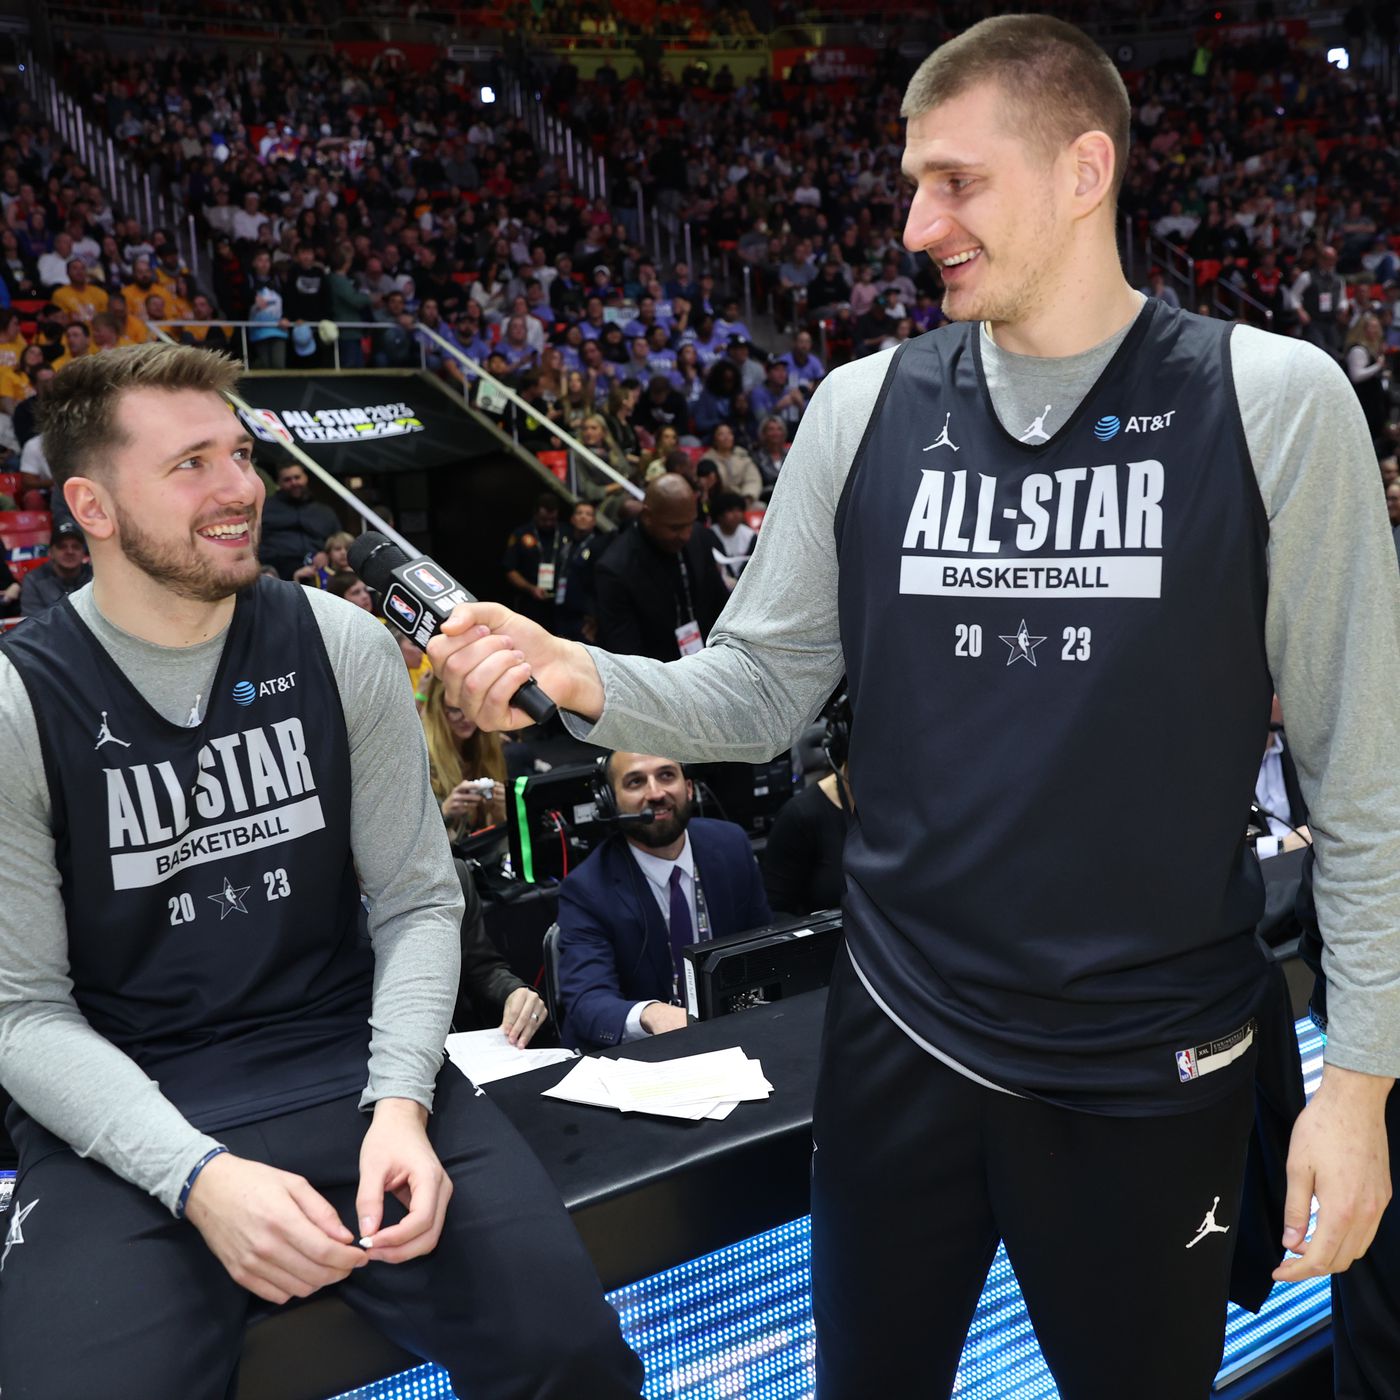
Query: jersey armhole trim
x=841, y=501
x=1237, y=419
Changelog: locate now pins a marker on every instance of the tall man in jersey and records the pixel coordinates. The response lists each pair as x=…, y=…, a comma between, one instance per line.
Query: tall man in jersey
x=205, y=769
x=1044, y=1031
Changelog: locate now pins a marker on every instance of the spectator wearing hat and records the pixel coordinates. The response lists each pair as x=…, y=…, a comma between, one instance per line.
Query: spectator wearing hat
x=65, y=571
x=777, y=397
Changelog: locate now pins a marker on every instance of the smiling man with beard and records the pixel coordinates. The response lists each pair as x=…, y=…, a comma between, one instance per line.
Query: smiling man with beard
x=647, y=892
x=222, y=1088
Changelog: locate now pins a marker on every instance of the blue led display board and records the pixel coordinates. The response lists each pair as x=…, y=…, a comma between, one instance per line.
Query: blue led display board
x=738, y=1322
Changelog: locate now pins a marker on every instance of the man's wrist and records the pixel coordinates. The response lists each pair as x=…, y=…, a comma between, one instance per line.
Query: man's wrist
x=398, y=1110
x=1355, y=1085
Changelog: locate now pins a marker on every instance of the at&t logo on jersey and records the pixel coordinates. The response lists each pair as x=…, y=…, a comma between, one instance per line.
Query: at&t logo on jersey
x=1108, y=426
x=245, y=692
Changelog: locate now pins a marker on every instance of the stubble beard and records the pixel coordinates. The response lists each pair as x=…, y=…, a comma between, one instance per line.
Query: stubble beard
x=182, y=569
x=665, y=829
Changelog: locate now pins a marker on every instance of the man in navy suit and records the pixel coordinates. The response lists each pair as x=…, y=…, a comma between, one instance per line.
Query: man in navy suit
x=642, y=896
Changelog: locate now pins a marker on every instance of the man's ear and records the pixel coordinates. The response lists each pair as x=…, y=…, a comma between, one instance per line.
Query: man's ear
x=91, y=507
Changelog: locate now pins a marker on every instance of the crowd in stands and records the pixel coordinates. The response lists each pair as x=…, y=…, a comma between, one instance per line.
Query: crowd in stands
x=394, y=212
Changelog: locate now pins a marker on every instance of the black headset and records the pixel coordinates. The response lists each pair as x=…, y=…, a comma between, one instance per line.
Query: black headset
x=604, y=795
x=836, y=742
x=604, y=798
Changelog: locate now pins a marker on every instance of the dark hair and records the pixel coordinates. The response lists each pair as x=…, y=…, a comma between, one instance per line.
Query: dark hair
x=726, y=500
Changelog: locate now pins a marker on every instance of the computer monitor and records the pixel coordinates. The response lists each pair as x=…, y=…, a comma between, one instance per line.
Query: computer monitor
x=761, y=966
x=552, y=822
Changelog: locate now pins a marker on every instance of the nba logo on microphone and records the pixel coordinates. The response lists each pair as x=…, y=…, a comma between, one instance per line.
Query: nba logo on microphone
x=1186, y=1065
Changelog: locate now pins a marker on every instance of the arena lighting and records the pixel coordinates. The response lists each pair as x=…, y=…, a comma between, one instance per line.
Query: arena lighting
x=488, y=95
x=738, y=1322
x=1340, y=58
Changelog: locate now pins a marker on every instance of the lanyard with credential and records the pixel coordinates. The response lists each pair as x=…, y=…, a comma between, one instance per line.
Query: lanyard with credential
x=702, y=930
x=685, y=586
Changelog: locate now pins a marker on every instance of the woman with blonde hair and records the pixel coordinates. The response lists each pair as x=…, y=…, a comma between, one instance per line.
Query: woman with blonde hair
x=1364, y=358
x=460, y=756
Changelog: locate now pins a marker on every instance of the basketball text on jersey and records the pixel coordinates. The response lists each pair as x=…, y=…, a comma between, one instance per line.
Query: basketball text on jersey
x=251, y=789
x=1104, y=524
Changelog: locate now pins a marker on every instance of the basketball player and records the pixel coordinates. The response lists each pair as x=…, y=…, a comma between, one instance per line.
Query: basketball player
x=222, y=1090
x=1045, y=1029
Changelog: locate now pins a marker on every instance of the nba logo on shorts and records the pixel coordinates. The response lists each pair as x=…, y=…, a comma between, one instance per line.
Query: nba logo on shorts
x=1186, y=1065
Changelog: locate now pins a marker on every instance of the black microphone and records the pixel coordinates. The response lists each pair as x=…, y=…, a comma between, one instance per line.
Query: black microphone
x=419, y=597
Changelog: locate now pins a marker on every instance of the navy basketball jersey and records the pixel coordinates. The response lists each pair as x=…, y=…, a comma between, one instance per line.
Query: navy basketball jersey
x=214, y=921
x=1060, y=697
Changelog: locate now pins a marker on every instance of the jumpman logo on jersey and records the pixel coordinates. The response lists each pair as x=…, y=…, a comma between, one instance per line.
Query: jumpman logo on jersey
x=1036, y=432
x=105, y=735
x=1022, y=645
x=192, y=721
x=1208, y=1226
x=943, y=440
x=16, y=1232
x=229, y=899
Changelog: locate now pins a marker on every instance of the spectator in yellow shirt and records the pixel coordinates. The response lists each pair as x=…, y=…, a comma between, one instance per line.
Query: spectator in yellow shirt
x=12, y=341
x=80, y=298
x=104, y=333
x=130, y=328
x=77, y=342
x=16, y=381
x=142, y=284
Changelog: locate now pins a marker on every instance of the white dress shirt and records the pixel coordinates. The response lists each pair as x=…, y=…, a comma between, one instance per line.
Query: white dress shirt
x=1270, y=793
x=657, y=870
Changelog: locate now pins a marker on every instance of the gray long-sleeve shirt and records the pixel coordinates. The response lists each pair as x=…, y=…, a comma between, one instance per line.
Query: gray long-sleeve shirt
x=80, y=1086
x=1332, y=633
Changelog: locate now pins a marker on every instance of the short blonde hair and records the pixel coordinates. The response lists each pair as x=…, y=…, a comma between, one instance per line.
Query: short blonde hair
x=1056, y=81
x=78, y=415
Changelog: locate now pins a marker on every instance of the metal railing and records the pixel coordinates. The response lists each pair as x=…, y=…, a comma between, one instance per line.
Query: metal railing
x=505, y=391
x=368, y=515
x=130, y=189
x=586, y=167
x=282, y=335
x=423, y=336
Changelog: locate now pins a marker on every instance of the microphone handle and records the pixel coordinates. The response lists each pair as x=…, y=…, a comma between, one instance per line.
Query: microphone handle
x=534, y=702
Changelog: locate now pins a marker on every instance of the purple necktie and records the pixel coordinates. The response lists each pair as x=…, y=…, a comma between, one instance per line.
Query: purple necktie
x=682, y=930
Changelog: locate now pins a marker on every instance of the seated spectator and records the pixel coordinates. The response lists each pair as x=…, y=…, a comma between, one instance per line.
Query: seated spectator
x=81, y=299
x=9, y=588
x=333, y=559
x=736, y=537
x=1157, y=287
x=40, y=377
x=17, y=268
x=661, y=406
x=77, y=342
x=716, y=405
x=667, y=441
x=143, y=283
x=488, y=992
x=294, y=527
x=12, y=341
x=777, y=397
x=659, y=588
x=738, y=471
x=648, y=891
x=53, y=266
x=348, y=585
x=65, y=571
x=804, y=369
x=460, y=756
x=771, y=452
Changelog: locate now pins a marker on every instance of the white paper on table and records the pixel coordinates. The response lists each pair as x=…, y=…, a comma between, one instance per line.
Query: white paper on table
x=484, y=1056
x=583, y=1084
x=718, y=1077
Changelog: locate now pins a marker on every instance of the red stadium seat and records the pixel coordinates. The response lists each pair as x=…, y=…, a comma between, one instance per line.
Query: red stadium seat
x=13, y=522
x=1207, y=270
x=20, y=567
x=556, y=461
x=9, y=484
x=753, y=517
